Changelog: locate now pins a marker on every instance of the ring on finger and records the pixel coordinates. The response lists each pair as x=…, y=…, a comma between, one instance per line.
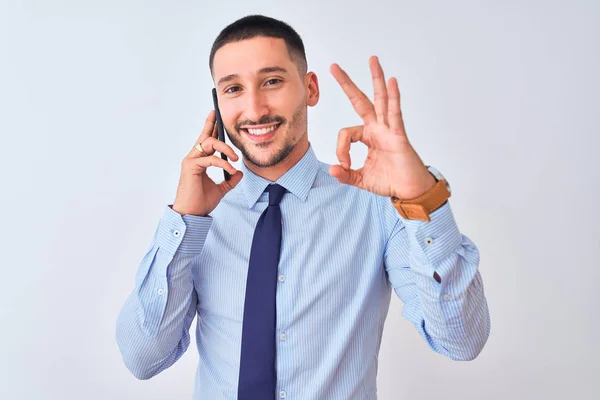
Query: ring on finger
x=198, y=147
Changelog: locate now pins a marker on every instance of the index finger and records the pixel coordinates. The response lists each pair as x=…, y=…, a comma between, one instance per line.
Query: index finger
x=359, y=100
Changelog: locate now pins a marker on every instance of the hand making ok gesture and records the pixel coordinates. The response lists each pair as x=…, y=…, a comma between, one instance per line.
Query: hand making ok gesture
x=392, y=166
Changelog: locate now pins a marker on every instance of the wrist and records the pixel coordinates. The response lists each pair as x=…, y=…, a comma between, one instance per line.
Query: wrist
x=422, y=206
x=425, y=185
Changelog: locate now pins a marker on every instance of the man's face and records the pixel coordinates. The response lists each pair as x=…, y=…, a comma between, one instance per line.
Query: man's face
x=262, y=98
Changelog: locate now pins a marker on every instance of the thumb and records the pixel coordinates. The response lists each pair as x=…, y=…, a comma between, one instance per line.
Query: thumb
x=227, y=185
x=346, y=176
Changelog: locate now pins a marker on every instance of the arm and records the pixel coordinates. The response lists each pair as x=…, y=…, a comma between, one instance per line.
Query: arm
x=433, y=269
x=152, y=329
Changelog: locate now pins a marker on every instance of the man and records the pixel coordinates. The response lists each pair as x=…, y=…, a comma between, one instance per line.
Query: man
x=290, y=263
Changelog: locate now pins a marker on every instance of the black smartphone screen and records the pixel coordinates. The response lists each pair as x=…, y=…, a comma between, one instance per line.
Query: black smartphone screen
x=220, y=129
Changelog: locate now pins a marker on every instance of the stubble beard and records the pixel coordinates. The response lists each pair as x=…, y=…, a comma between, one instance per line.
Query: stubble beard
x=297, y=125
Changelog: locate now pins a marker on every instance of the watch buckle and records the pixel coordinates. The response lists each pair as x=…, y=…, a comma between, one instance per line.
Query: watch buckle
x=411, y=211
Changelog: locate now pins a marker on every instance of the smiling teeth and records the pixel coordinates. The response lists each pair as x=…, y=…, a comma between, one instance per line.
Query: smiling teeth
x=263, y=131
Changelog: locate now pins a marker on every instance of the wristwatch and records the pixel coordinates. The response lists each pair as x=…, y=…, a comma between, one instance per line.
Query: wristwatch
x=422, y=206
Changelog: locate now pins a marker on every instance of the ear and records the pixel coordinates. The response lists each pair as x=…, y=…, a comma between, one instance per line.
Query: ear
x=311, y=82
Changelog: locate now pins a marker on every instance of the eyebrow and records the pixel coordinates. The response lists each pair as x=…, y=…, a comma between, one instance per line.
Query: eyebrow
x=266, y=70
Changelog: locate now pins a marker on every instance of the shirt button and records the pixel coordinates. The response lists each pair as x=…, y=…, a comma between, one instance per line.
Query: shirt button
x=282, y=337
x=281, y=278
x=447, y=297
x=428, y=241
x=176, y=233
x=282, y=394
x=160, y=292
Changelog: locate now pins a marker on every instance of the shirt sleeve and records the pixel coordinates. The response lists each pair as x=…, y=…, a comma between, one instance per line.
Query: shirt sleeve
x=434, y=270
x=152, y=330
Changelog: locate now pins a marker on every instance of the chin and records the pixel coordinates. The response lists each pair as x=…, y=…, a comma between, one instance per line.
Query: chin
x=268, y=158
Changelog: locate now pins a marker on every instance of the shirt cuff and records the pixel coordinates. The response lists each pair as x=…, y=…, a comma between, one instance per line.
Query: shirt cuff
x=185, y=234
x=435, y=240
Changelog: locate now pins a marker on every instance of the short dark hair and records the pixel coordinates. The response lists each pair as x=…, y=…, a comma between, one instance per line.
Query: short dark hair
x=259, y=25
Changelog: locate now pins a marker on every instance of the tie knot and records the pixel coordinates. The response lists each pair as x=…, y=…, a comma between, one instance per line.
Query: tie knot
x=276, y=192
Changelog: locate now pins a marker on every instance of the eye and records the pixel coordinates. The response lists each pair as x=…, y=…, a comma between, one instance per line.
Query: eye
x=229, y=89
x=274, y=81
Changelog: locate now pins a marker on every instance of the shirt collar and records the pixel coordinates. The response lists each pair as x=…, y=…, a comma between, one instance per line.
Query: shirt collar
x=298, y=180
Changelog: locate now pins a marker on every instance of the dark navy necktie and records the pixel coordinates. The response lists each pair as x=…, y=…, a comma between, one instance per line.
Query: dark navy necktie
x=257, y=363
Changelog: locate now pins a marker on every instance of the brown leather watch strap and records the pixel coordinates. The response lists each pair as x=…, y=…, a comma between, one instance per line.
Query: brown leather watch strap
x=422, y=206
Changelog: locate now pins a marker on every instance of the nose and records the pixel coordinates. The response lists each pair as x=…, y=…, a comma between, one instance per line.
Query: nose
x=256, y=106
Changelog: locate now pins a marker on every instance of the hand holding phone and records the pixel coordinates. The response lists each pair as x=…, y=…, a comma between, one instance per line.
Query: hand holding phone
x=197, y=193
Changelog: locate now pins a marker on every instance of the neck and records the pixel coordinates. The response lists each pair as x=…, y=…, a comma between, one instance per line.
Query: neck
x=275, y=172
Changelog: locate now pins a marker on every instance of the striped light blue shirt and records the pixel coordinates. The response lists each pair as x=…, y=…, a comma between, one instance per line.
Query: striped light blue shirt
x=343, y=250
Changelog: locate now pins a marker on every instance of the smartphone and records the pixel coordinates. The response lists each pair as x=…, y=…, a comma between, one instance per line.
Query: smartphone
x=220, y=130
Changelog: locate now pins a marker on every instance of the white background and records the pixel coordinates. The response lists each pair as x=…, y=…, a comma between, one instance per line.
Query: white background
x=101, y=100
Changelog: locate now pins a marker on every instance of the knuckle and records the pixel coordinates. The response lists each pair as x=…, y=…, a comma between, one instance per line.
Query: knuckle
x=197, y=162
x=218, y=145
x=209, y=145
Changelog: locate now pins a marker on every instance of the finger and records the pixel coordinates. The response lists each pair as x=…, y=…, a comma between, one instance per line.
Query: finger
x=211, y=144
x=346, y=137
x=227, y=185
x=394, y=110
x=361, y=103
x=207, y=131
x=380, y=92
x=204, y=162
x=347, y=177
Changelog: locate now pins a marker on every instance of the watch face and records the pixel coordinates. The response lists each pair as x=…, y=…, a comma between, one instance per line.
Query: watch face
x=438, y=175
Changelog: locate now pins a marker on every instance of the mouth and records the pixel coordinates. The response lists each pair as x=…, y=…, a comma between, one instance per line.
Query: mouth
x=261, y=133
